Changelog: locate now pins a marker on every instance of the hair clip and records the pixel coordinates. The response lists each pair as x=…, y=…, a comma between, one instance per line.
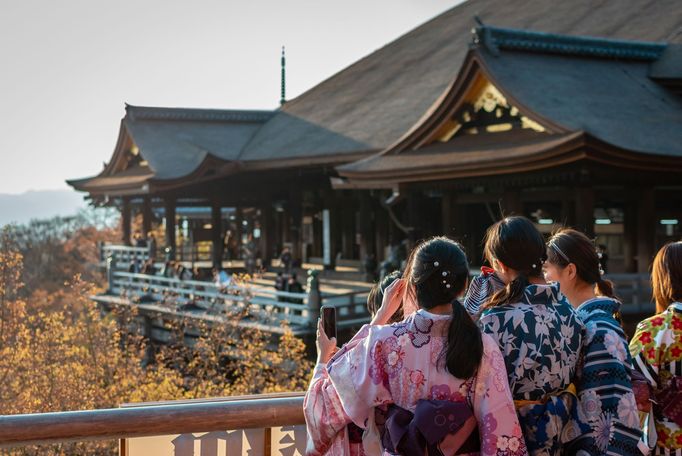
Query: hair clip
x=535, y=265
x=436, y=264
x=445, y=273
x=447, y=286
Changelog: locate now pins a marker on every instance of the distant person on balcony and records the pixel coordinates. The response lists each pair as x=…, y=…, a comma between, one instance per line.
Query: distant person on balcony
x=286, y=259
x=656, y=349
x=431, y=384
x=151, y=244
x=168, y=269
x=604, y=374
x=293, y=286
x=249, y=254
x=140, y=241
x=221, y=279
x=149, y=267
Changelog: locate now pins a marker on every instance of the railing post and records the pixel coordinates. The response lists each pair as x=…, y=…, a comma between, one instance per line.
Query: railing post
x=314, y=297
x=110, y=272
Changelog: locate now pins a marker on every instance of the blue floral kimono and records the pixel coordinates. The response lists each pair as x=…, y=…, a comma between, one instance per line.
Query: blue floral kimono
x=607, y=405
x=540, y=339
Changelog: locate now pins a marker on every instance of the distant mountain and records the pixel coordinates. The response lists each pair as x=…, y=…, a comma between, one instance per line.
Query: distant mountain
x=42, y=204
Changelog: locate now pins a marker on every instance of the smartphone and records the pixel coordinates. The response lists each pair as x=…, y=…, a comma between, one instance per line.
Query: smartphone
x=329, y=320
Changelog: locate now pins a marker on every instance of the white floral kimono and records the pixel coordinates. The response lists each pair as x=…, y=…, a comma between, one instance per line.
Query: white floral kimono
x=398, y=364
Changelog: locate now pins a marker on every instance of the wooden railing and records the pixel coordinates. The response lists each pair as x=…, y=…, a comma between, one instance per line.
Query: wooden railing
x=170, y=418
x=164, y=295
x=634, y=290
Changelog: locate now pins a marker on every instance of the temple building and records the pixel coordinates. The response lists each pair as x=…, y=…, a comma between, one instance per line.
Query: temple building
x=566, y=113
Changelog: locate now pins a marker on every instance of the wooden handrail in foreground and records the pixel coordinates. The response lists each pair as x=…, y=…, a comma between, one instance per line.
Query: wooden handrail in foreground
x=157, y=419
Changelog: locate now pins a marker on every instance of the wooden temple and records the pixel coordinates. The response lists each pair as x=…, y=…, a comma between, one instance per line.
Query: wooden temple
x=568, y=114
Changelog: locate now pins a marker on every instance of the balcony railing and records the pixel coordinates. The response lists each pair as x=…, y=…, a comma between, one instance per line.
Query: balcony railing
x=271, y=424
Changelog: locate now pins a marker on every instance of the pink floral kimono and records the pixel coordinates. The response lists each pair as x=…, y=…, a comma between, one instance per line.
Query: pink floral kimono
x=397, y=364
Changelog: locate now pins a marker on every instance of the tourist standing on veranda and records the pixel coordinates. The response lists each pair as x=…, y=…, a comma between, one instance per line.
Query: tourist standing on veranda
x=538, y=333
x=435, y=369
x=656, y=349
x=607, y=405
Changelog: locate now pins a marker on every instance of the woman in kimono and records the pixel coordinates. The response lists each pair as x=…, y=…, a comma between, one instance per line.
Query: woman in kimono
x=537, y=331
x=607, y=405
x=440, y=381
x=656, y=349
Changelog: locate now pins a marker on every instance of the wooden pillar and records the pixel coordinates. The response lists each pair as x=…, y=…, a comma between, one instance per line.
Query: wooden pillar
x=216, y=232
x=364, y=228
x=630, y=232
x=267, y=235
x=330, y=231
x=296, y=232
x=239, y=229
x=126, y=218
x=381, y=223
x=170, y=226
x=146, y=216
x=584, y=210
x=511, y=204
x=447, y=208
x=646, y=228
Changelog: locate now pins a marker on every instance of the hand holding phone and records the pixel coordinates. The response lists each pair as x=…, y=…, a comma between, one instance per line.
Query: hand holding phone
x=329, y=320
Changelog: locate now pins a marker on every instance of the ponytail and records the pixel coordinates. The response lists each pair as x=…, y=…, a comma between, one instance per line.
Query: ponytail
x=465, y=344
x=604, y=288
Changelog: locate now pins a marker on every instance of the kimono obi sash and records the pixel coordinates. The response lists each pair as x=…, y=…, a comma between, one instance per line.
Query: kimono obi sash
x=570, y=389
x=669, y=400
x=436, y=427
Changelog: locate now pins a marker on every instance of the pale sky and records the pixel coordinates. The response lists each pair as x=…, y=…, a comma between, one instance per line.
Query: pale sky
x=68, y=66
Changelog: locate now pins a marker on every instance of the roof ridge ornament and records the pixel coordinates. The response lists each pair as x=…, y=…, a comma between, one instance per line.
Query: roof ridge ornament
x=495, y=38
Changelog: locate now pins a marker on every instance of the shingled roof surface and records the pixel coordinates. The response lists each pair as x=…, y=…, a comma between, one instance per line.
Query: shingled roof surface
x=176, y=141
x=370, y=104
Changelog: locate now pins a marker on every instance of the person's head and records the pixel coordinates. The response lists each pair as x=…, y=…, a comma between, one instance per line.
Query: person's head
x=573, y=262
x=376, y=296
x=516, y=250
x=439, y=273
x=666, y=275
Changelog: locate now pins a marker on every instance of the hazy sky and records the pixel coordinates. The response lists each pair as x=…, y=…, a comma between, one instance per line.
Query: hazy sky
x=69, y=66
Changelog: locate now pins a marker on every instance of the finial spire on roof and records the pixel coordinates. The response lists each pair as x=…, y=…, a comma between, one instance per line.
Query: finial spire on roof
x=283, y=98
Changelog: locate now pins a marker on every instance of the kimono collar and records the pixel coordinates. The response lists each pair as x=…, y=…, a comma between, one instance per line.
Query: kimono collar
x=542, y=294
x=675, y=307
x=599, y=304
x=425, y=322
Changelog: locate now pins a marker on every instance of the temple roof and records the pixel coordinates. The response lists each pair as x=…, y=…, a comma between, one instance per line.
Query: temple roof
x=595, y=89
x=374, y=103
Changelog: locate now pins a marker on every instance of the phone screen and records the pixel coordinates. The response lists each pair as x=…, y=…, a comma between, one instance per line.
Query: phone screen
x=329, y=321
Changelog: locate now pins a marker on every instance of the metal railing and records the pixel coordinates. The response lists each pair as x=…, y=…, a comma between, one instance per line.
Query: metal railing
x=158, y=419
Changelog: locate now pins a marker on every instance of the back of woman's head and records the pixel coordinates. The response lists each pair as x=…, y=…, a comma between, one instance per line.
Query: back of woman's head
x=568, y=246
x=666, y=275
x=517, y=243
x=376, y=296
x=439, y=273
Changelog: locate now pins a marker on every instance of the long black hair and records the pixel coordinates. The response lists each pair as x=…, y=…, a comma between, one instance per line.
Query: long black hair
x=439, y=274
x=520, y=246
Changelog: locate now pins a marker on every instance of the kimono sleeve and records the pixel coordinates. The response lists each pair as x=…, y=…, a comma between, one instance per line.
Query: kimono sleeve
x=346, y=389
x=493, y=406
x=645, y=353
